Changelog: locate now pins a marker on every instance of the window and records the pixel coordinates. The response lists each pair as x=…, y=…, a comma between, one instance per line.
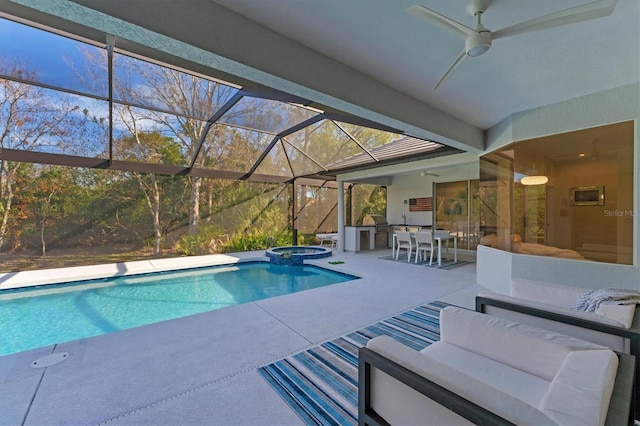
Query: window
x=584, y=210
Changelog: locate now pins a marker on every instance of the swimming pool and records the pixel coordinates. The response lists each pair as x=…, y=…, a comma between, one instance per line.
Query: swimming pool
x=46, y=315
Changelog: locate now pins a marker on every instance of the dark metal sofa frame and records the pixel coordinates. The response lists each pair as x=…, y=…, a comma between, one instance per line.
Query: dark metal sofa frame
x=620, y=412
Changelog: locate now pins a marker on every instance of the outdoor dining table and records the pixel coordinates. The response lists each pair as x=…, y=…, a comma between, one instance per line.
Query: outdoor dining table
x=438, y=236
x=441, y=236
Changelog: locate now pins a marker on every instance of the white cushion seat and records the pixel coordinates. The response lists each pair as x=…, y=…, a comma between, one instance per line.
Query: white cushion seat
x=520, y=384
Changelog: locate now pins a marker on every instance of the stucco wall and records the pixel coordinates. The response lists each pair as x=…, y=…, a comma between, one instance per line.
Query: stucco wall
x=416, y=186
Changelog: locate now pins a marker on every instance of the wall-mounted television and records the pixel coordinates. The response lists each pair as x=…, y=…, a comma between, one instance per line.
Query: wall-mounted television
x=587, y=196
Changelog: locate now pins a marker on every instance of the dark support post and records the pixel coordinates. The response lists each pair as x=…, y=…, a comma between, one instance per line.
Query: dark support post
x=111, y=41
x=294, y=212
x=351, y=204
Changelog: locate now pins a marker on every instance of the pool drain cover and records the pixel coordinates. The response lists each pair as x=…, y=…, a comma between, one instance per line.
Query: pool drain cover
x=48, y=360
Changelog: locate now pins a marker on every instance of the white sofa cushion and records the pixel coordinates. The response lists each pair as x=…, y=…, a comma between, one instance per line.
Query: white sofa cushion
x=563, y=296
x=581, y=392
x=530, y=349
x=612, y=341
x=399, y=404
x=524, y=386
x=546, y=292
x=590, y=316
x=621, y=314
x=393, y=407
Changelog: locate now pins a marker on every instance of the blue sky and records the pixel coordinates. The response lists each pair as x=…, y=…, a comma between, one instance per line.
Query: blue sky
x=48, y=54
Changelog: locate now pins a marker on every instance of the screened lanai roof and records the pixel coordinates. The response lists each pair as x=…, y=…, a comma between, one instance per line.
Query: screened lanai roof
x=94, y=105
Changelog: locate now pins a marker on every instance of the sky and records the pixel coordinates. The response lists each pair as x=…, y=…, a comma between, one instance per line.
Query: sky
x=51, y=56
x=64, y=63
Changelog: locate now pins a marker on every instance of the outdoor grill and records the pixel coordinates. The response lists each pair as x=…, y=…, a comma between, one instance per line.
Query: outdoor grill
x=382, y=228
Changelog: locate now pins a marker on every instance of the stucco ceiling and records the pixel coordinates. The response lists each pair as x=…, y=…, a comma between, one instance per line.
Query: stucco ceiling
x=381, y=40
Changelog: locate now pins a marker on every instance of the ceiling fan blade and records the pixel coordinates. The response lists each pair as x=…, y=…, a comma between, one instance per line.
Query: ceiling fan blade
x=429, y=15
x=585, y=12
x=451, y=69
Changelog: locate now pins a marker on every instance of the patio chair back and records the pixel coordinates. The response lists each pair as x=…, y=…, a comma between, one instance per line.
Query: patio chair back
x=424, y=242
x=404, y=242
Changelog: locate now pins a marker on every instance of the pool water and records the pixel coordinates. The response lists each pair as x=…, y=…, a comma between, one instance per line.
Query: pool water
x=46, y=315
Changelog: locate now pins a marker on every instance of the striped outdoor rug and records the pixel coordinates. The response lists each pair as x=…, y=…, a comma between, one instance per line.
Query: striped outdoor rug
x=446, y=263
x=321, y=384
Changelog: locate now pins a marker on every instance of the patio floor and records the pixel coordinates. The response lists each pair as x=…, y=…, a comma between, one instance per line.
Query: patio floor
x=202, y=369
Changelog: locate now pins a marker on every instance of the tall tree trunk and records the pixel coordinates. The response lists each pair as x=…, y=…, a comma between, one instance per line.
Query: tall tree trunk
x=152, y=195
x=156, y=217
x=45, y=209
x=209, y=200
x=194, y=210
x=44, y=245
x=8, y=194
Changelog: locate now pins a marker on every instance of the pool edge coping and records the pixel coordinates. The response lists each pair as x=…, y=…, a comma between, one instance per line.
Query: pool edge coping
x=22, y=279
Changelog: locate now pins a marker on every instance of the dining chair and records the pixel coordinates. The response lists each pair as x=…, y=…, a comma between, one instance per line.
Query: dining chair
x=404, y=242
x=424, y=242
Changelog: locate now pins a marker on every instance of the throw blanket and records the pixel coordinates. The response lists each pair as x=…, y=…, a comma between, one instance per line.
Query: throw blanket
x=591, y=301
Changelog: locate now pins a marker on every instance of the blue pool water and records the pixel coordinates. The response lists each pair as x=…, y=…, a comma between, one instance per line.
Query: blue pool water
x=32, y=318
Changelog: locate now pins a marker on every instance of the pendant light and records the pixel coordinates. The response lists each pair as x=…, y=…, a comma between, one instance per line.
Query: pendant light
x=534, y=178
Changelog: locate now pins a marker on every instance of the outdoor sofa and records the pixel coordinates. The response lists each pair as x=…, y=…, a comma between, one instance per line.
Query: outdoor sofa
x=487, y=370
x=548, y=305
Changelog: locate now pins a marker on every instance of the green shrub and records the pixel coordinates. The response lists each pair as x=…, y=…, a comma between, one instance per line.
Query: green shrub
x=254, y=241
x=210, y=240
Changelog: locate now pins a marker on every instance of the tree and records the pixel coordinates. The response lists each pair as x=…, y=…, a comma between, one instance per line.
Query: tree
x=49, y=197
x=152, y=147
x=31, y=119
x=193, y=99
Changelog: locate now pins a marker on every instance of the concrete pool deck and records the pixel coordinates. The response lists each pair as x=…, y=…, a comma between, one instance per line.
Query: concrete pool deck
x=201, y=369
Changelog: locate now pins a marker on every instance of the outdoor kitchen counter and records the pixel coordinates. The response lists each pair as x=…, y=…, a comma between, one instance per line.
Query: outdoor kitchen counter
x=353, y=235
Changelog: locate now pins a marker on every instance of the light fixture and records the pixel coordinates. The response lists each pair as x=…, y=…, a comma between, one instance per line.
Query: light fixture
x=534, y=180
x=478, y=43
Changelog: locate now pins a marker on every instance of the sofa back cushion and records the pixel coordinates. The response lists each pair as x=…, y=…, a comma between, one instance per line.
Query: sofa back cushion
x=545, y=292
x=513, y=381
x=530, y=349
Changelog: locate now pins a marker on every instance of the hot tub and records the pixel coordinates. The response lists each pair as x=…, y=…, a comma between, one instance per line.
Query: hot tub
x=296, y=255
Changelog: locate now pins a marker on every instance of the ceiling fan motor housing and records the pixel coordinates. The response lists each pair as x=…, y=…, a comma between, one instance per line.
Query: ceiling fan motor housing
x=478, y=43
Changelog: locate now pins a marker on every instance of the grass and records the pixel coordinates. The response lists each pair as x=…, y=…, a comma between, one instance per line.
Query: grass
x=64, y=258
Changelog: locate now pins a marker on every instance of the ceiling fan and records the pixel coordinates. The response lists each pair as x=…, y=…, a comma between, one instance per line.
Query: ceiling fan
x=478, y=40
